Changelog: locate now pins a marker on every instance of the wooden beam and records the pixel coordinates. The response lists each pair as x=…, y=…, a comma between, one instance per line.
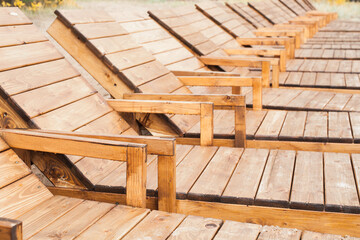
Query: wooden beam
x=155, y=145
x=216, y=99
x=218, y=81
x=297, y=35
x=206, y=124
x=65, y=144
x=167, y=183
x=204, y=73
x=10, y=229
x=284, y=145
x=324, y=222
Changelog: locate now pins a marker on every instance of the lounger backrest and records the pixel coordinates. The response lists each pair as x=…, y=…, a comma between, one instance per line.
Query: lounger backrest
x=284, y=10
x=196, y=31
x=227, y=19
x=160, y=43
x=304, y=5
x=269, y=11
x=249, y=14
x=294, y=6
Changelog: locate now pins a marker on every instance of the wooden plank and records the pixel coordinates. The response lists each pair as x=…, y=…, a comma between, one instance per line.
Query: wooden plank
x=338, y=102
x=316, y=126
x=46, y=213
x=157, y=225
x=245, y=180
x=100, y=30
x=108, y=45
x=340, y=188
x=194, y=227
x=308, y=79
x=12, y=168
x=232, y=230
x=12, y=16
x=294, y=78
x=301, y=100
x=308, y=187
x=316, y=236
x=213, y=180
x=352, y=80
x=353, y=103
x=337, y=80
x=22, y=34
x=340, y=127
x=21, y=196
x=77, y=16
x=28, y=54
x=115, y=224
x=188, y=171
x=271, y=125
x=356, y=165
x=73, y=115
x=294, y=125
x=275, y=186
x=27, y=78
x=253, y=121
x=58, y=94
x=320, y=100
x=75, y=221
x=271, y=232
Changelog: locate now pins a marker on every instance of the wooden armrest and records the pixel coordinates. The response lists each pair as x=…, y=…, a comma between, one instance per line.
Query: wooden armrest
x=204, y=109
x=203, y=73
x=134, y=154
x=216, y=99
x=155, y=145
x=288, y=43
x=251, y=51
x=263, y=63
x=10, y=229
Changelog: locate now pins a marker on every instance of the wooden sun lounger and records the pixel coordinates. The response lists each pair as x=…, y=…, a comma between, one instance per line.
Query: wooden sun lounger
x=234, y=24
x=328, y=41
x=92, y=118
x=152, y=86
x=210, y=44
x=28, y=210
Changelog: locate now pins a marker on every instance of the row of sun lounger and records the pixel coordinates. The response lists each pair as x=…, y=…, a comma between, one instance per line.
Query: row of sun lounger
x=253, y=110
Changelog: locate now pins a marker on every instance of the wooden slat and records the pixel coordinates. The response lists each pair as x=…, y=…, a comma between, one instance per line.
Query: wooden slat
x=271, y=232
x=75, y=221
x=316, y=126
x=232, y=230
x=194, y=227
x=108, y=45
x=12, y=168
x=245, y=180
x=73, y=115
x=253, y=121
x=271, y=126
x=35, y=76
x=57, y=95
x=339, y=127
x=46, y=213
x=308, y=187
x=275, y=184
x=189, y=170
x=17, y=35
x=115, y=224
x=100, y=30
x=211, y=183
x=294, y=125
x=12, y=16
x=340, y=188
x=21, y=196
x=28, y=54
x=157, y=225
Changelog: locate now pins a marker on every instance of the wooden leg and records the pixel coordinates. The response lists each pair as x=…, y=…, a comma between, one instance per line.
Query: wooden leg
x=240, y=126
x=257, y=94
x=206, y=124
x=275, y=76
x=265, y=73
x=236, y=90
x=167, y=183
x=10, y=229
x=136, y=177
x=282, y=62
